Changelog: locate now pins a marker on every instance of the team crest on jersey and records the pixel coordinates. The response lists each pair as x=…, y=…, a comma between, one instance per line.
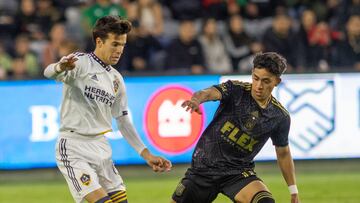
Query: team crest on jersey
x=116, y=84
x=85, y=179
x=179, y=189
x=251, y=121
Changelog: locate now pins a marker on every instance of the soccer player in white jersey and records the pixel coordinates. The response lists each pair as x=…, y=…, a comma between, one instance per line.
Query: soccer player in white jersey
x=93, y=93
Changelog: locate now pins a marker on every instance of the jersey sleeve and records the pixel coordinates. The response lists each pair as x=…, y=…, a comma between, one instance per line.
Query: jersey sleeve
x=120, y=106
x=280, y=136
x=225, y=90
x=228, y=88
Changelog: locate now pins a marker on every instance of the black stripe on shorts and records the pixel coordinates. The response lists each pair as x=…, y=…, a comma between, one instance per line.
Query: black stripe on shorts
x=70, y=170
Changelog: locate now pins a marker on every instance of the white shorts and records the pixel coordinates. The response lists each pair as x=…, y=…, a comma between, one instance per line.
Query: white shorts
x=85, y=162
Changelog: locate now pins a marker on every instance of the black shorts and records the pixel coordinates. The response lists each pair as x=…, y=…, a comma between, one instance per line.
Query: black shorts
x=197, y=188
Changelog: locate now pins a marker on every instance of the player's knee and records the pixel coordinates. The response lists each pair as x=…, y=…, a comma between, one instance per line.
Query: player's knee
x=118, y=196
x=105, y=199
x=263, y=197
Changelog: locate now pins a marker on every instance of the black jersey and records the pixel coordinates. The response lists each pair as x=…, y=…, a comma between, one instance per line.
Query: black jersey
x=238, y=131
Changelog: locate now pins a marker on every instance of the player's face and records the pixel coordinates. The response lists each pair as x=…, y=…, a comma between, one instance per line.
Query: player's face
x=111, y=49
x=263, y=82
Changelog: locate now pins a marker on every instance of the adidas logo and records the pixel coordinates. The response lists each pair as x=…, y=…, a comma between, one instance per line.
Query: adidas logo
x=94, y=77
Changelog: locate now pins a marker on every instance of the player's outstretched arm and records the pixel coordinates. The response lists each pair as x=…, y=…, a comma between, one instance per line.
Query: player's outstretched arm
x=127, y=129
x=66, y=63
x=286, y=165
x=208, y=94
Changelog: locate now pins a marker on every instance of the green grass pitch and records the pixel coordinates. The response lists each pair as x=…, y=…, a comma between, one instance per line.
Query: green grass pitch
x=327, y=182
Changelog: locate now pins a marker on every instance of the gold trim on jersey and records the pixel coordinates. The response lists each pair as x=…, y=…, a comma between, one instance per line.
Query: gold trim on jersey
x=102, y=133
x=245, y=85
x=277, y=103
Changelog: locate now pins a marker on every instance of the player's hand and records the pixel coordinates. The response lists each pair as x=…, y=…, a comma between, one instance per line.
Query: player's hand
x=295, y=198
x=192, y=105
x=67, y=62
x=157, y=163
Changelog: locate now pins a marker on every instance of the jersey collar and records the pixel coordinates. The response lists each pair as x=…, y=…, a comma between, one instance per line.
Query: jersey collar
x=97, y=59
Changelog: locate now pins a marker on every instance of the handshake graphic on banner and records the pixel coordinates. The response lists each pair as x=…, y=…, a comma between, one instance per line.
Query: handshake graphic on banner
x=312, y=109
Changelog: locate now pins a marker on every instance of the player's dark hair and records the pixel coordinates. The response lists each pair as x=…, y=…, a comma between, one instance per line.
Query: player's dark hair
x=110, y=24
x=271, y=61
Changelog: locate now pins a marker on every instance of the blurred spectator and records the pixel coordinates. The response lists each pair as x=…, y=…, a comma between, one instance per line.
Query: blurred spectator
x=310, y=55
x=233, y=7
x=67, y=47
x=347, y=53
x=22, y=50
x=342, y=12
x=281, y=39
x=26, y=20
x=10, y=6
x=184, y=54
x=319, y=7
x=253, y=9
x=258, y=15
x=19, y=71
x=7, y=21
x=238, y=44
x=323, y=38
x=335, y=13
x=139, y=50
x=47, y=15
x=149, y=14
x=73, y=21
x=62, y=5
x=5, y=62
x=216, y=58
x=215, y=9
x=99, y=9
x=255, y=22
x=51, y=50
x=185, y=9
x=316, y=40
x=93, y=12
x=354, y=8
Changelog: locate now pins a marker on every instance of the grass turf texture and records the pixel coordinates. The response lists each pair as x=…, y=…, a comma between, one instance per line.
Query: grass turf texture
x=318, y=182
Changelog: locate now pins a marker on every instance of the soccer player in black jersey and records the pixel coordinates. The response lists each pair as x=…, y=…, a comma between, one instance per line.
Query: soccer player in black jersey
x=248, y=115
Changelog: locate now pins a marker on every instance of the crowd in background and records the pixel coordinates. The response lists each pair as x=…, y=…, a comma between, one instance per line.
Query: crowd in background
x=185, y=36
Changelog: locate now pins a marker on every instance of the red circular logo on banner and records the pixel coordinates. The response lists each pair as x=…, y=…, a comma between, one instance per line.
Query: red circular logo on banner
x=168, y=126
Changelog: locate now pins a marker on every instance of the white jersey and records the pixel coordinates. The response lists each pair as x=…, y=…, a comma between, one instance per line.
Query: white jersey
x=93, y=93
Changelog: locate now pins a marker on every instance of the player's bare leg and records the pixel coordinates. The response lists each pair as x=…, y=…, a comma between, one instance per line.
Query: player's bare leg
x=256, y=190
x=96, y=195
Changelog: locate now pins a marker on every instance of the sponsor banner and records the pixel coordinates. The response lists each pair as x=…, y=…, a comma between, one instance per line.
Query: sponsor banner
x=325, y=112
x=30, y=120
x=325, y=115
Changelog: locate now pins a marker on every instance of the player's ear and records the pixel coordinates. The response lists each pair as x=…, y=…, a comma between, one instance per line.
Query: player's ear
x=98, y=42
